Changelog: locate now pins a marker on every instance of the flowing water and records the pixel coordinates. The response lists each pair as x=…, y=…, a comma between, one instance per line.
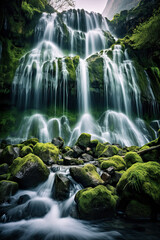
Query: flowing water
x=35, y=214
x=43, y=80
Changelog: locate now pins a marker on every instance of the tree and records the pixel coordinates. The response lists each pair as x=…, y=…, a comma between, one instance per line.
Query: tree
x=62, y=5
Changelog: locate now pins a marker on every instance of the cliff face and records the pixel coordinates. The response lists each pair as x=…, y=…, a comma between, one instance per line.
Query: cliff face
x=116, y=6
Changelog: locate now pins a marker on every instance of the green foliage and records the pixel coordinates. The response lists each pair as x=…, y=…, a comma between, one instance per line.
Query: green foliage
x=132, y=158
x=95, y=202
x=116, y=161
x=141, y=181
x=27, y=10
x=146, y=34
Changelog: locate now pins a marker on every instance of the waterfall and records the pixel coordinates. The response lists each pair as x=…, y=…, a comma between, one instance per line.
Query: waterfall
x=50, y=76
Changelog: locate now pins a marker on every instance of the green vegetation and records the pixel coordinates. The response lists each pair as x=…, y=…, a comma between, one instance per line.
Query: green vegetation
x=25, y=151
x=141, y=179
x=84, y=140
x=95, y=202
x=7, y=189
x=116, y=161
x=132, y=158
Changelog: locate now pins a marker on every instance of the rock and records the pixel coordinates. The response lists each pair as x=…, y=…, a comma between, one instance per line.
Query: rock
x=141, y=179
x=94, y=203
x=83, y=140
x=115, y=178
x=29, y=171
x=23, y=199
x=47, y=152
x=4, y=168
x=137, y=210
x=99, y=149
x=132, y=158
x=110, y=171
x=58, y=142
x=70, y=153
x=61, y=187
x=7, y=189
x=66, y=149
x=116, y=161
x=9, y=154
x=77, y=151
x=105, y=177
x=32, y=141
x=86, y=175
x=87, y=157
x=110, y=151
x=68, y=161
x=25, y=151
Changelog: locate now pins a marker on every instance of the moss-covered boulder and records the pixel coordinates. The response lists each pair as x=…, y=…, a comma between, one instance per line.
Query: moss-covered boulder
x=9, y=154
x=72, y=161
x=138, y=210
x=32, y=141
x=25, y=151
x=29, y=171
x=58, y=142
x=141, y=182
x=110, y=151
x=98, y=202
x=83, y=140
x=99, y=149
x=47, y=152
x=86, y=175
x=61, y=187
x=7, y=189
x=4, y=168
x=116, y=161
x=132, y=158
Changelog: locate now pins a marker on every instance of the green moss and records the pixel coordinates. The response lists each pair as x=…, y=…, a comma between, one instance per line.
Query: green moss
x=32, y=141
x=8, y=155
x=132, y=158
x=71, y=69
x=144, y=148
x=47, y=152
x=110, y=151
x=25, y=151
x=141, y=181
x=116, y=161
x=66, y=149
x=83, y=140
x=60, y=162
x=86, y=175
x=95, y=202
x=138, y=210
x=7, y=189
x=99, y=149
x=6, y=176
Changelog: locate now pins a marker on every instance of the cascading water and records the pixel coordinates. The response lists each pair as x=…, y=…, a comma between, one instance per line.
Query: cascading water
x=44, y=79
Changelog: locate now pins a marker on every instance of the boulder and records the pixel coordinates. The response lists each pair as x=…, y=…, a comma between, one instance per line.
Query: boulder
x=132, y=158
x=25, y=151
x=4, y=168
x=23, y=199
x=99, y=149
x=110, y=151
x=68, y=161
x=61, y=187
x=29, y=171
x=141, y=179
x=87, y=157
x=47, y=152
x=83, y=140
x=105, y=177
x=77, y=151
x=86, y=175
x=32, y=141
x=9, y=154
x=7, y=189
x=138, y=210
x=94, y=203
x=110, y=171
x=58, y=142
x=116, y=161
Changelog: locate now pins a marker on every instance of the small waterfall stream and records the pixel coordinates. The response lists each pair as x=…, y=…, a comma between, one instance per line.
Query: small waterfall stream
x=43, y=79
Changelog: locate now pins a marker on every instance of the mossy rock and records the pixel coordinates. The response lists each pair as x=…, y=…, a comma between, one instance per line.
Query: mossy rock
x=138, y=210
x=110, y=151
x=86, y=175
x=25, y=151
x=132, y=149
x=66, y=149
x=47, y=152
x=6, y=176
x=7, y=189
x=141, y=182
x=8, y=155
x=116, y=161
x=99, y=149
x=29, y=171
x=32, y=141
x=98, y=202
x=83, y=140
x=4, y=168
x=132, y=158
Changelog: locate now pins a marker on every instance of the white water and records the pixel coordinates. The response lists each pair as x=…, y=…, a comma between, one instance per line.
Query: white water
x=56, y=223
x=42, y=80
